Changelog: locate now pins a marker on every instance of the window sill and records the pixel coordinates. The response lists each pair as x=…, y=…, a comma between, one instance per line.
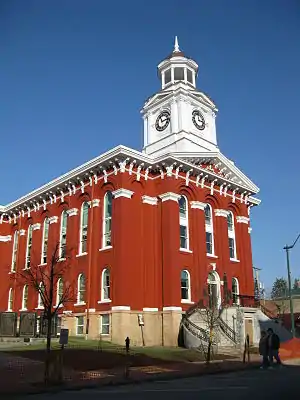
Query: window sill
x=60, y=306
x=81, y=254
x=26, y=268
x=185, y=250
x=39, y=308
x=211, y=255
x=183, y=301
x=79, y=304
x=9, y=311
x=104, y=301
x=234, y=260
x=23, y=309
x=42, y=265
x=61, y=259
x=104, y=334
x=105, y=248
x=11, y=272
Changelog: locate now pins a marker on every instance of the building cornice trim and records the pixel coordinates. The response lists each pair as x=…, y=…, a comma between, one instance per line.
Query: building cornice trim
x=221, y=213
x=5, y=238
x=149, y=200
x=169, y=196
x=198, y=205
x=123, y=193
x=242, y=220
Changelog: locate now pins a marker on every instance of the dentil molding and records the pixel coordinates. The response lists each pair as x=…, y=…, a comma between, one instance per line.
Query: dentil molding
x=221, y=213
x=150, y=200
x=169, y=196
x=122, y=193
x=198, y=205
x=242, y=220
x=5, y=238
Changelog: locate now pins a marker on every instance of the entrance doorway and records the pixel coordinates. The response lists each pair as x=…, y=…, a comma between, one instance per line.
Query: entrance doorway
x=249, y=330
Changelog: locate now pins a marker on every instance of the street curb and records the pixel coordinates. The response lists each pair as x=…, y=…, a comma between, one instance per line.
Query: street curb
x=128, y=381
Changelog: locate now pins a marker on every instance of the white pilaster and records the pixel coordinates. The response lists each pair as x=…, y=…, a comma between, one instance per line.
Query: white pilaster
x=145, y=131
x=174, y=116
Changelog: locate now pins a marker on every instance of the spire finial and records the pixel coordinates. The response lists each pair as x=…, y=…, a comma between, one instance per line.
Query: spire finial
x=176, y=46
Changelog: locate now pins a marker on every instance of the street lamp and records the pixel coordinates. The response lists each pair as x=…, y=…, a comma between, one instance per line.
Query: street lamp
x=287, y=248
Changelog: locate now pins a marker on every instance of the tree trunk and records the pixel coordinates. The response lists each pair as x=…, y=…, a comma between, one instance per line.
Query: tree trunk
x=48, y=347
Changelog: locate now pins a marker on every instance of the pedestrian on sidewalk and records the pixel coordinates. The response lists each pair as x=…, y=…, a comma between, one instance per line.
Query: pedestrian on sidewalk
x=273, y=347
x=264, y=350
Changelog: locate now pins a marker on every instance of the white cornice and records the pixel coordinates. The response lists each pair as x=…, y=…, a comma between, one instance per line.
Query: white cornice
x=221, y=213
x=150, y=200
x=122, y=193
x=242, y=220
x=198, y=205
x=5, y=238
x=169, y=196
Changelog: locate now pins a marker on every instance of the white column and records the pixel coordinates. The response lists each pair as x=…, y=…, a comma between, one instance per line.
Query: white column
x=149, y=136
x=174, y=116
x=145, y=131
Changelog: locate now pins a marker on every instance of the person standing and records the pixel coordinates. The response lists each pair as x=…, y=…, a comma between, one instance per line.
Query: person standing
x=263, y=349
x=273, y=347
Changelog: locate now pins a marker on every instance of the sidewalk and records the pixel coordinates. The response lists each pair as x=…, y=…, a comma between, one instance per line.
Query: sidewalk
x=31, y=378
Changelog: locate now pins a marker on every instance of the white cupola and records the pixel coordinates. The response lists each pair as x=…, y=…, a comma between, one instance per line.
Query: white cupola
x=179, y=118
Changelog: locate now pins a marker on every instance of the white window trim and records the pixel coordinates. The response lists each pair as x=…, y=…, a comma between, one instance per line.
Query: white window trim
x=46, y=222
x=23, y=298
x=80, y=302
x=231, y=235
x=10, y=300
x=28, y=246
x=80, y=252
x=57, y=293
x=101, y=319
x=188, y=300
x=103, y=299
x=64, y=212
x=15, y=252
x=40, y=304
x=218, y=284
x=104, y=219
x=209, y=228
x=184, y=221
x=238, y=290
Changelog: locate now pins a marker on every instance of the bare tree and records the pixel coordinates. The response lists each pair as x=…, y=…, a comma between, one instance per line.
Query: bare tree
x=47, y=281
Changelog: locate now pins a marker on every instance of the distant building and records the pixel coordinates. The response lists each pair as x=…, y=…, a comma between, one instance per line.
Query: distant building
x=148, y=231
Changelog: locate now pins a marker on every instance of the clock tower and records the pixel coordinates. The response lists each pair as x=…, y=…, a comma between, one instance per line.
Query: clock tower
x=179, y=118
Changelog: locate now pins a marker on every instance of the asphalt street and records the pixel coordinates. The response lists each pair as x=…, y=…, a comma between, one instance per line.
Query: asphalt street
x=245, y=385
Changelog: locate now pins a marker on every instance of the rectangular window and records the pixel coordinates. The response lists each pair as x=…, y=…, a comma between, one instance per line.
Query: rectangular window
x=45, y=241
x=15, y=252
x=63, y=235
x=105, y=324
x=178, y=74
x=167, y=76
x=189, y=76
x=209, y=244
x=231, y=248
x=80, y=325
x=28, y=247
x=183, y=237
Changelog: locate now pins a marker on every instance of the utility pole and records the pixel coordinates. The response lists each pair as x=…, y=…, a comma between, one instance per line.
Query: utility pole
x=287, y=248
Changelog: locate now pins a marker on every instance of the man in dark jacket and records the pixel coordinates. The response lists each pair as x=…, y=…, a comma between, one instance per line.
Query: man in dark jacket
x=273, y=346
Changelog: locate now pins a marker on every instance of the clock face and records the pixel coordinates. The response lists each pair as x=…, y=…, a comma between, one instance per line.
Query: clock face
x=198, y=120
x=162, y=121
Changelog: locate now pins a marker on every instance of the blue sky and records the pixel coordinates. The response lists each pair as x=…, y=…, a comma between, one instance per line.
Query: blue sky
x=74, y=75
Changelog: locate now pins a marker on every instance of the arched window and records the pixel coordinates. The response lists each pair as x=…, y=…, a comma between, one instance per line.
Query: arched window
x=83, y=227
x=81, y=289
x=107, y=217
x=15, y=252
x=214, y=290
x=105, y=285
x=40, y=295
x=59, y=291
x=209, y=230
x=63, y=234
x=45, y=241
x=185, y=282
x=235, y=291
x=28, y=246
x=231, y=235
x=10, y=300
x=184, y=223
x=25, y=297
